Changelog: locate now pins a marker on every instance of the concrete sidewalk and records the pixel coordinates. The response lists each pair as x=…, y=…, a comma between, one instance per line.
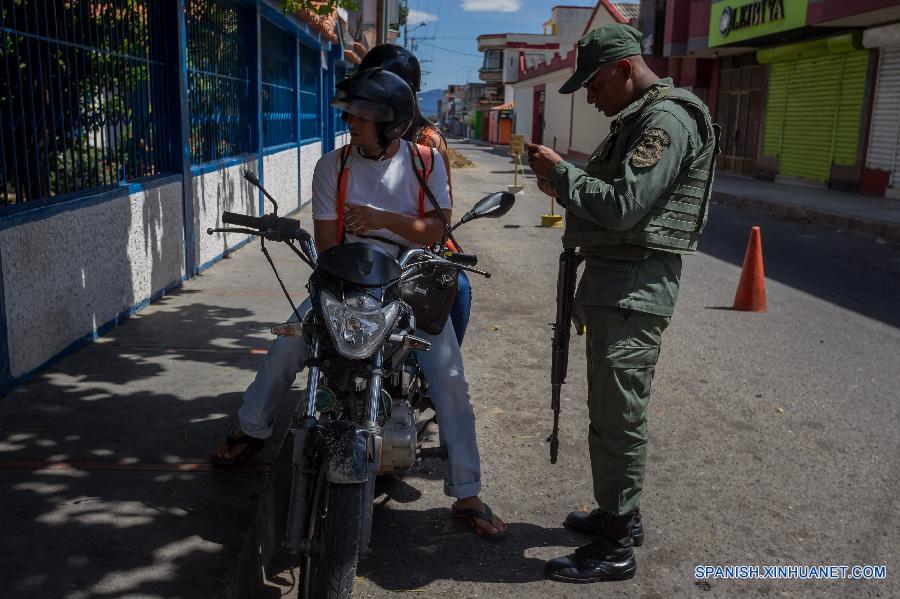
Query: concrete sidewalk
x=104, y=457
x=855, y=213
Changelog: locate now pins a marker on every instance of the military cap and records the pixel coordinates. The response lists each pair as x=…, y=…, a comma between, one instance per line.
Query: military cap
x=598, y=47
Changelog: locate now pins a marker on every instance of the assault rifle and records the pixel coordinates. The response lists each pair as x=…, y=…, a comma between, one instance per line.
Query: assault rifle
x=565, y=297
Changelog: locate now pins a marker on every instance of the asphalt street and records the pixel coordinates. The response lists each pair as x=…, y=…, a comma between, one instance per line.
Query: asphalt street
x=774, y=437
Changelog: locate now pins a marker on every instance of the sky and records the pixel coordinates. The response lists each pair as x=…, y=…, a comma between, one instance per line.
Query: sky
x=452, y=55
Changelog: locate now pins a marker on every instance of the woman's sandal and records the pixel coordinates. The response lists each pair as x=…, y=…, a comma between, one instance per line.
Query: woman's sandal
x=232, y=440
x=471, y=515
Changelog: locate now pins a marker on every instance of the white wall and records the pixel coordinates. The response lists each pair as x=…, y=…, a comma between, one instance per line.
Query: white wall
x=589, y=126
x=224, y=190
x=309, y=155
x=341, y=140
x=76, y=270
x=524, y=108
x=557, y=109
x=280, y=172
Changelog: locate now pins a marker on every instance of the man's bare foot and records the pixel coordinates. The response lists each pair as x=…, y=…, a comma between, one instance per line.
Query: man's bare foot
x=236, y=447
x=480, y=517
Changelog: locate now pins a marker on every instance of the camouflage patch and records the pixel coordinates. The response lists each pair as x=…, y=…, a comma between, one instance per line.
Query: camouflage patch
x=650, y=149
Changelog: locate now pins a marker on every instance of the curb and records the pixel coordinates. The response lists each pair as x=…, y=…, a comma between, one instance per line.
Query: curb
x=852, y=224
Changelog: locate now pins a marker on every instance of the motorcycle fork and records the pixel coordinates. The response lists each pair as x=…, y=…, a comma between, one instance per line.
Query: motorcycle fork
x=303, y=471
x=376, y=381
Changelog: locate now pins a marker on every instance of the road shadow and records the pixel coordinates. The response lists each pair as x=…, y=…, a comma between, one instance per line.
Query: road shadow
x=412, y=548
x=103, y=462
x=852, y=272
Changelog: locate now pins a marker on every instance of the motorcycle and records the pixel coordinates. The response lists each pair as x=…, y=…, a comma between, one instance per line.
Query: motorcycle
x=358, y=417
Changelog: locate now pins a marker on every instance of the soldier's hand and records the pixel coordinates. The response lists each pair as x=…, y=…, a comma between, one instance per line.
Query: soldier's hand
x=541, y=160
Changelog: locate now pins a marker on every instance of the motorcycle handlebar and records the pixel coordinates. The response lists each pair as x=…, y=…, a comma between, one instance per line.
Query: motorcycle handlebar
x=463, y=259
x=242, y=220
x=271, y=226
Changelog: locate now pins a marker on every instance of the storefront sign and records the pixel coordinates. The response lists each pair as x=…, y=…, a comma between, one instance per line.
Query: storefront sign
x=737, y=20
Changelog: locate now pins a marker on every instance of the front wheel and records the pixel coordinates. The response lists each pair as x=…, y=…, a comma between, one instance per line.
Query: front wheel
x=334, y=528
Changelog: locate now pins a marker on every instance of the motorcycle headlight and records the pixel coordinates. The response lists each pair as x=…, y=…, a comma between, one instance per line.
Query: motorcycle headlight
x=359, y=324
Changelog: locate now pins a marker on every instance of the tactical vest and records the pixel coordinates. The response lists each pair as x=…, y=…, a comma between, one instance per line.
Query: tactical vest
x=674, y=223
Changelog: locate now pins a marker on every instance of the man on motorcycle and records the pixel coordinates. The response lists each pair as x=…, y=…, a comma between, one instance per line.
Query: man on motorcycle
x=382, y=205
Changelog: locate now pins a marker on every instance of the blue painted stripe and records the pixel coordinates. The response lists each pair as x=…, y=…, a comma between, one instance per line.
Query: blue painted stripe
x=313, y=140
x=281, y=148
x=211, y=167
x=8, y=383
x=46, y=209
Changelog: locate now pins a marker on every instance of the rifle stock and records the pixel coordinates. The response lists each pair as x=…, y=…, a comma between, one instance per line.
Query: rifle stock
x=565, y=297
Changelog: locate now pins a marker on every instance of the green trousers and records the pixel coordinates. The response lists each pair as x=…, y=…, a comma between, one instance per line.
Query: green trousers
x=622, y=349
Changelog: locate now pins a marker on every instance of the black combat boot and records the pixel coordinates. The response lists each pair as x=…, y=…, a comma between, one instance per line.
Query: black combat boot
x=589, y=524
x=608, y=558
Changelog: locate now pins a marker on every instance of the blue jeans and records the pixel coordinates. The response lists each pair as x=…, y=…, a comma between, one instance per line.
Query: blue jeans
x=462, y=306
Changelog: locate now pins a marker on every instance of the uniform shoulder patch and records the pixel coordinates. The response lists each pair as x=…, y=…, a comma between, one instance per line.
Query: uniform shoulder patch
x=650, y=148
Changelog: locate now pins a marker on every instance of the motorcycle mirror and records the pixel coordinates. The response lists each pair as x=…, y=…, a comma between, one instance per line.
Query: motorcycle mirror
x=491, y=206
x=251, y=177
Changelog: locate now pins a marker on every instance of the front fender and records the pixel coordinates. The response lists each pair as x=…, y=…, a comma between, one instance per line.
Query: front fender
x=349, y=448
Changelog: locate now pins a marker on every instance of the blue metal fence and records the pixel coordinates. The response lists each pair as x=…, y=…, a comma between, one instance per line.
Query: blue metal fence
x=220, y=84
x=89, y=91
x=310, y=94
x=83, y=99
x=340, y=125
x=279, y=84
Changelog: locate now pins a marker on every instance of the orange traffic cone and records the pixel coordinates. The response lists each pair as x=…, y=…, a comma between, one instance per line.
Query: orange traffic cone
x=751, y=291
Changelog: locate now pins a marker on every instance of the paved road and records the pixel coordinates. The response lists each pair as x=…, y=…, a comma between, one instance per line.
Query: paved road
x=774, y=437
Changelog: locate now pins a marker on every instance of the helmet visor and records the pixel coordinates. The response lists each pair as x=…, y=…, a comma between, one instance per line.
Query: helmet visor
x=364, y=109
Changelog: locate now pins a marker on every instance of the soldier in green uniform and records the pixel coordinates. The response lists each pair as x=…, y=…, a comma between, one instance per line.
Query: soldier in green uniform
x=633, y=211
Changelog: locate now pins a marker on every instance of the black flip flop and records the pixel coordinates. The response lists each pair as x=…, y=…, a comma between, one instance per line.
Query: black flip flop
x=471, y=514
x=253, y=445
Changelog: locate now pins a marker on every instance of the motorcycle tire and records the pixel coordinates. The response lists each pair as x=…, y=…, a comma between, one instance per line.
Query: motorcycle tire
x=340, y=524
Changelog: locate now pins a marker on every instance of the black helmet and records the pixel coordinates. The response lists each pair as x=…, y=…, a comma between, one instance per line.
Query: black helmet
x=380, y=96
x=397, y=60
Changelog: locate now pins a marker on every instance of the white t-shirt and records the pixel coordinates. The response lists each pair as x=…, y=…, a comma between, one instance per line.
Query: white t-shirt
x=389, y=185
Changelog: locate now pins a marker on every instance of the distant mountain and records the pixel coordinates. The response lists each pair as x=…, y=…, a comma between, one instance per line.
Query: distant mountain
x=428, y=101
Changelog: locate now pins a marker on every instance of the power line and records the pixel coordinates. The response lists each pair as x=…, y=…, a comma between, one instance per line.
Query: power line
x=453, y=51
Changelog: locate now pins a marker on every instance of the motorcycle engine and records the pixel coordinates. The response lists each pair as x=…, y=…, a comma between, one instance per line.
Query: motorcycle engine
x=398, y=445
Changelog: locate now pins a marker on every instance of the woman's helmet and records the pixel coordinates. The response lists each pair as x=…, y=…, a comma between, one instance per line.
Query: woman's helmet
x=397, y=60
x=380, y=96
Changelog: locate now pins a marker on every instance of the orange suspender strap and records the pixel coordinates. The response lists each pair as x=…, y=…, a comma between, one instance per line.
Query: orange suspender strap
x=343, y=178
x=426, y=161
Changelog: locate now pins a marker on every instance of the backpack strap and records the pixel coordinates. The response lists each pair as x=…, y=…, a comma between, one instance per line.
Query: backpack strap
x=425, y=166
x=342, y=180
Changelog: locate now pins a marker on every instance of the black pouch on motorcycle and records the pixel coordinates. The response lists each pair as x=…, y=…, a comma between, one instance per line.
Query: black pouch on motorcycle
x=430, y=294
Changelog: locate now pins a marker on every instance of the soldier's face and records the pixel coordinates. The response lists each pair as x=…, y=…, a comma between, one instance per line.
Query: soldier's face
x=607, y=90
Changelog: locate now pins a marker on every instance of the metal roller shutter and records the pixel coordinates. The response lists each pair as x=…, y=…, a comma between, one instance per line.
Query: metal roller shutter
x=884, y=136
x=813, y=113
